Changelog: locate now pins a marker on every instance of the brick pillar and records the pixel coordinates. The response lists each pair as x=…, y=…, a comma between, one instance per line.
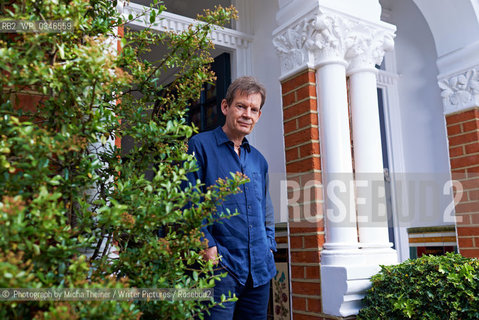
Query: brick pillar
x=463, y=134
x=303, y=168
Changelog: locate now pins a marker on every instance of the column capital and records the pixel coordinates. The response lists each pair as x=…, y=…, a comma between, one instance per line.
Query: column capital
x=330, y=40
x=323, y=35
x=368, y=45
x=460, y=91
x=292, y=45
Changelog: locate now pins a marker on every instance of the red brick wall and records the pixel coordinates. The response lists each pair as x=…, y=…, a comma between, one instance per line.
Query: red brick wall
x=303, y=167
x=463, y=134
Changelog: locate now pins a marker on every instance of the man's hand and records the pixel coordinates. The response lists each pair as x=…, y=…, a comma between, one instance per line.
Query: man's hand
x=211, y=254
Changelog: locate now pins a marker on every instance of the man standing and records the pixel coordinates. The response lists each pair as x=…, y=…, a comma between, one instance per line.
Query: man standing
x=243, y=245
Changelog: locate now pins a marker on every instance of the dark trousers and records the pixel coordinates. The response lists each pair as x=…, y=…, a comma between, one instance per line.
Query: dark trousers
x=252, y=303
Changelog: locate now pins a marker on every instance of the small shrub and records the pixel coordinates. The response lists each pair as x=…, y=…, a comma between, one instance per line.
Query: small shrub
x=431, y=287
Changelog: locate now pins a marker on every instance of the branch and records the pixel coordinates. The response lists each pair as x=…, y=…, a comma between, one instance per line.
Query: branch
x=97, y=249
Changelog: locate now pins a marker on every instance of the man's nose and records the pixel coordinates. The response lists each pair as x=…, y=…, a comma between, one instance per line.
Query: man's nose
x=247, y=113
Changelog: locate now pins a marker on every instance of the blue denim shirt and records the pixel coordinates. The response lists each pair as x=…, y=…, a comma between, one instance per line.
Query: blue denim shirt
x=244, y=241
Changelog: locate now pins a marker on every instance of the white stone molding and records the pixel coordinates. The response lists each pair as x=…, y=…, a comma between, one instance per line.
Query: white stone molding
x=386, y=78
x=332, y=38
x=167, y=21
x=368, y=47
x=324, y=36
x=291, y=46
x=460, y=91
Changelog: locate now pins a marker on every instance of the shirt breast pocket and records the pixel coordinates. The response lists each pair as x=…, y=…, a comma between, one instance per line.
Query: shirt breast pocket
x=257, y=182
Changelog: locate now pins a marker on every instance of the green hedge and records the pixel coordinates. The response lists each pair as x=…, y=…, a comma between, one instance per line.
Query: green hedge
x=431, y=287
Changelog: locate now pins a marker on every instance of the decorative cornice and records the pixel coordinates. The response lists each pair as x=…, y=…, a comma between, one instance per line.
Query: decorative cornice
x=460, y=91
x=324, y=36
x=167, y=21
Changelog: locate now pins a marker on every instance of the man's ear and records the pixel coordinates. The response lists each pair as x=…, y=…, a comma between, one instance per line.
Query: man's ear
x=224, y=106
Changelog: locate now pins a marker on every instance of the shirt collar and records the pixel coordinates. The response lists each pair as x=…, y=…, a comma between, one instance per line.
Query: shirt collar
x=222, y=138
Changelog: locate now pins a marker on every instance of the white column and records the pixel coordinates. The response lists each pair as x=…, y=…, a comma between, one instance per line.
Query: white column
x=372, y=213
x=326, y=39
x=368, y=50
x=342, y=276
x=341, y=231
x=342, y=41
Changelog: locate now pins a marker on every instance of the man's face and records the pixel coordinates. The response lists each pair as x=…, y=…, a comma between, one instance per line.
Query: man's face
x=242, y=114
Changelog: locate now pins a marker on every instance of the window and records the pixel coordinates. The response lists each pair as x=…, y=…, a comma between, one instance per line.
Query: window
x=206, y=113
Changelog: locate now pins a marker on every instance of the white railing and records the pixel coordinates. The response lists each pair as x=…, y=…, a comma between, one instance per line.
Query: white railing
x=167, y=21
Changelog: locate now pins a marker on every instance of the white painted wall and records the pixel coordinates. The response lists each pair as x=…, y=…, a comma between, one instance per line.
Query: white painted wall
x=268, y=133
x=454, y=23
x=425, y=149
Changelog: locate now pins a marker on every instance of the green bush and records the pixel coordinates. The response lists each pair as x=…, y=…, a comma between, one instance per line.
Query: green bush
x=77, y=210
x=431, y=287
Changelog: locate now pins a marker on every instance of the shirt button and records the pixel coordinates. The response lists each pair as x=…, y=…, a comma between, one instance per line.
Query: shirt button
x=249, y=207
x=250, y=226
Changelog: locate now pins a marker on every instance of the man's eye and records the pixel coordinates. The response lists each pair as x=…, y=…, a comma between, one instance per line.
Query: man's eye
x=254, y=110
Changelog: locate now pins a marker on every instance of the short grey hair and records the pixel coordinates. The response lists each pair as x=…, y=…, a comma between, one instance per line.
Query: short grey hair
x=245, y=85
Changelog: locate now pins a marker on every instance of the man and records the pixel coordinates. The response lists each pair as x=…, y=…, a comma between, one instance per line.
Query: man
x=242, y=245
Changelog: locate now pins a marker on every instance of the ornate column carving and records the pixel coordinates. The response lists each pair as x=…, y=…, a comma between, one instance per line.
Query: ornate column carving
x=460, y=91
x=312, y=40
x=332, y=37
x=325, y=35
x=292, y=45
x=367, y=47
